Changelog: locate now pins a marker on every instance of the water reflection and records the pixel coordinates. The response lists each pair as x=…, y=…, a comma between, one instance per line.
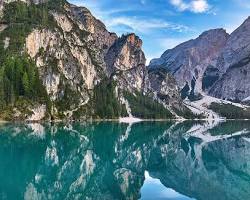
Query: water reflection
x=182, y=161
x=154, y=189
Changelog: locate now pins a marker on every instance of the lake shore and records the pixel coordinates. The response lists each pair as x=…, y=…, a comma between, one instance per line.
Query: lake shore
x=126, y=120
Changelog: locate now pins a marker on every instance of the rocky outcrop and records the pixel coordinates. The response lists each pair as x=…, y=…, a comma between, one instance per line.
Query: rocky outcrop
x=125, y=54
x=188, y=61
x=102, y=38
x=215, y=63
x=126, y=63
x=165, y=88
x=75, y=53
x=234, y=66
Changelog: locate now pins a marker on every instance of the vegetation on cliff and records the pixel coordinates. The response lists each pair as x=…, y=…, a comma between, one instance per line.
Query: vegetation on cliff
x=104, y=103
x=144, y=107
x=230, y=111
x=21, y=81
x=20, y=85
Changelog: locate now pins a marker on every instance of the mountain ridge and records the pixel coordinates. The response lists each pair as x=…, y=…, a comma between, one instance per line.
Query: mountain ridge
x=86, y=71
x=59, y=62
x=218, y=72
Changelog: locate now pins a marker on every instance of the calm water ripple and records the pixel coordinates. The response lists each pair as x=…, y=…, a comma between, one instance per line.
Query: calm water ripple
x=108, y=160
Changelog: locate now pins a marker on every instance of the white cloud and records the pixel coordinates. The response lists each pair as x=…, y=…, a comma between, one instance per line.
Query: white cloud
x=144, y=25
x=196, y=6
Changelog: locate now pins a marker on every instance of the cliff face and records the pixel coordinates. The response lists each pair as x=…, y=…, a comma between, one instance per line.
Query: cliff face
x=188, y=61
x=233, y=64
x=68, y=60
x=75, y=54
x=215, y=63
x=165, y=88
x=126, y=63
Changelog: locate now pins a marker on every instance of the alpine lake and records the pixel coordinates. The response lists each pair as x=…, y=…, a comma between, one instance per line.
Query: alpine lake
x=189, y=160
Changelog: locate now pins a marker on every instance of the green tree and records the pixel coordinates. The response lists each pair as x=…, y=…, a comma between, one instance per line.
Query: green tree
x=26, y=84
x=2, y=102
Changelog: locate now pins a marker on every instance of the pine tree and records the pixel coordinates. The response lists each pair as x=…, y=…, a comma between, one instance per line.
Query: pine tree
x=26, y=85
x=2, y=102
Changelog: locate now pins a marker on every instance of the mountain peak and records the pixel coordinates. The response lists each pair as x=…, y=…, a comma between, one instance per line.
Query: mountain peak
x=214, y=32
x=133, y=39
x=243, y=28
x=247, y=20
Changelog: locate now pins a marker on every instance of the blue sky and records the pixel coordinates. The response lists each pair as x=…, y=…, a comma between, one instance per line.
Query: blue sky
x=163, y=24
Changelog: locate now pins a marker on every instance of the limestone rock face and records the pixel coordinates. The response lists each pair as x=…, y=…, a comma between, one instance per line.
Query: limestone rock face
x=75, y=53
x=126, y=61
x=102, y=38
x=189, y=60
x=233, y=64
x=125, y=54
x=215, y=63
x=165, y=87
x=66, y=59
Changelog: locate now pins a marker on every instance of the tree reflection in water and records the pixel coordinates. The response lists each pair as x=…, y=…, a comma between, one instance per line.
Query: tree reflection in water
x=105, y=160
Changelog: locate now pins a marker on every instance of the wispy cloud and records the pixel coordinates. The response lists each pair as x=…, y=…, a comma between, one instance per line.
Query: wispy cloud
x=145, y=25
x=196, y=6
x=117, y=19
x=98, y=8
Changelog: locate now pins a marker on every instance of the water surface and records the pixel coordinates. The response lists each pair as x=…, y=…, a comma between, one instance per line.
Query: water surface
x=105, y=160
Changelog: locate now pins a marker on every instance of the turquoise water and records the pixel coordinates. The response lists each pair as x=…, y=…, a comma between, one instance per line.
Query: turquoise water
x=148, y=161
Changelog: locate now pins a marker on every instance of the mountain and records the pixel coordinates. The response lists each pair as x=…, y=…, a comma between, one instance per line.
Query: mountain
x=188, y=61
x=215, y=64
x=59, y=62
x=233, y=64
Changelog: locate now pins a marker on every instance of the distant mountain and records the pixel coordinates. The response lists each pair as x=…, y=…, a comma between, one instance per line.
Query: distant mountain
x=57, y=61
x=188, y=61
x=215, y=64
x=233, y=65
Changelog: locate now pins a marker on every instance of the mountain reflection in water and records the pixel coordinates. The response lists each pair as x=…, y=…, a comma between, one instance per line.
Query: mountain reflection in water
x=153, y=189
x=108, y=160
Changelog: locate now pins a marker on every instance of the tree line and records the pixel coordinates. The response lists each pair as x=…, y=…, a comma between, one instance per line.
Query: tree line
x=19, y=77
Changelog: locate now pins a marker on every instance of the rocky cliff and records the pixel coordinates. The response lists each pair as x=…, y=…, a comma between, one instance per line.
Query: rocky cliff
x=126, y=62
x=215, y=63
x=188, y=61
x=233, y=64
x=85, y=70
